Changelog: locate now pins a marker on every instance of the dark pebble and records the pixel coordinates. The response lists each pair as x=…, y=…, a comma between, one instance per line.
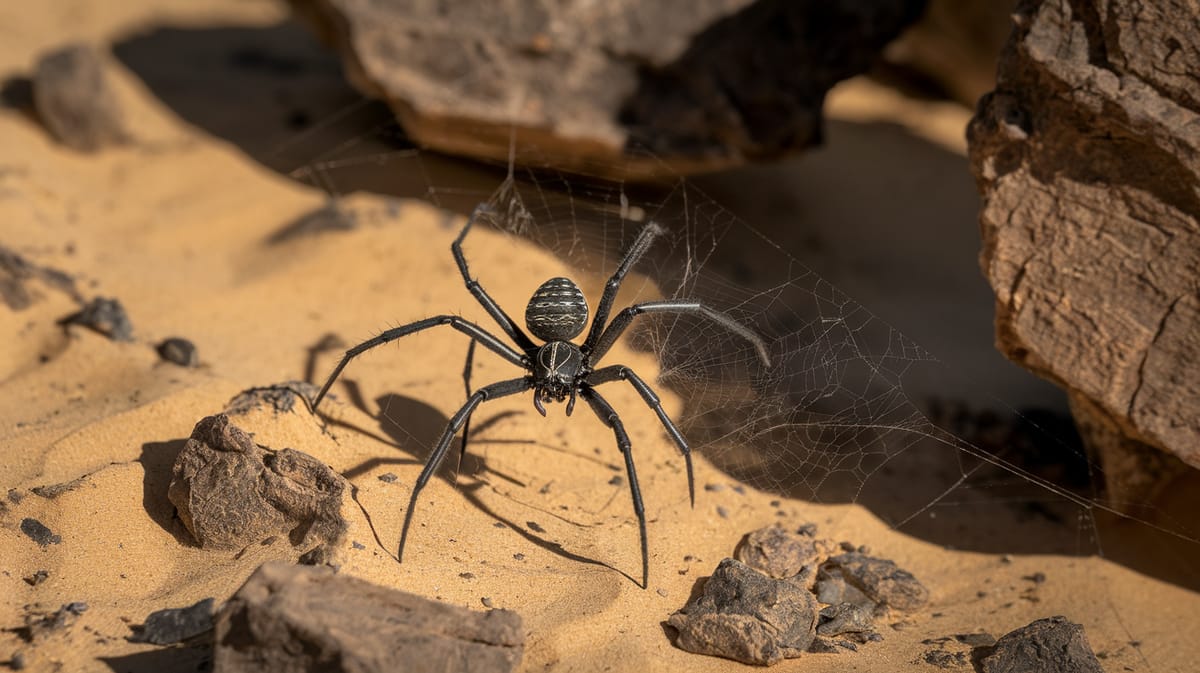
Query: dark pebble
x=106, y=316
x=38, y=532
x=37, y=578
x=175, y=625
x=179, y=351
x=388, y=478
x=533, y=526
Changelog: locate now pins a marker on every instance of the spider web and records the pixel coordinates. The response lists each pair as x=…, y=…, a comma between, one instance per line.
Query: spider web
x=850, y=410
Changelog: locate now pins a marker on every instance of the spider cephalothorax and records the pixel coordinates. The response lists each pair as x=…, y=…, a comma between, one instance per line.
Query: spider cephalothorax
x=559, y=369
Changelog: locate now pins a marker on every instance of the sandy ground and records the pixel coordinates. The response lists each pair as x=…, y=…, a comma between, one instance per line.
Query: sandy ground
x=179, y=228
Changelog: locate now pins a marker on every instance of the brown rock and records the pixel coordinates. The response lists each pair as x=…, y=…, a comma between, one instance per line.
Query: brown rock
x=1052, y=644
x=299, y=618
x=230, y=492
x=75, y=101
x=704, y=84
x=747, y=616
x=1088, y=157
x=881, y=580
x=777, y=552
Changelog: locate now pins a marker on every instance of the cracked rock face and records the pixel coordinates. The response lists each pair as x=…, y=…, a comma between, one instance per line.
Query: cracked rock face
x=1088, y=158
x=704, y=84
x=230, y=492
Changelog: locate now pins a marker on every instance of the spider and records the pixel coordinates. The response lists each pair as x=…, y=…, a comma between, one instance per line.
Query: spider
x=557, y=370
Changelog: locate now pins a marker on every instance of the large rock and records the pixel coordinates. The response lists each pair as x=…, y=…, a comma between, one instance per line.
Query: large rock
x=231, y=493
x=1052, y=644
x=297, y=618
x=703, y=83
x=1088, y=157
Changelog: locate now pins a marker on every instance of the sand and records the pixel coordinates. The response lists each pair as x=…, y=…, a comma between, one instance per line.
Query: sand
x=179, y=227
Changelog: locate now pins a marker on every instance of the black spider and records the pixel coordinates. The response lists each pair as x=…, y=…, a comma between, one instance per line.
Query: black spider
x=557, y=370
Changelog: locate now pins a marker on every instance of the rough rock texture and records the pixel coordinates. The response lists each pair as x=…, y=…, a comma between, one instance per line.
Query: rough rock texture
x=75, y=101
x=175, y=625
x=704, y=84
x=747, y=616
x=106, y=316
x=1088, y=157
x=299, y=618
x=778, y=552
x=230, y=492
x=880, y=579
x=1052, y=644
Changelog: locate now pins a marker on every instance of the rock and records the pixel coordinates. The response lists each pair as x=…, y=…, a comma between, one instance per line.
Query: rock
x=1053, y=644
x=16, y=275
x=179, y=351
x=38, y=532
x=777, y=552
x=40, y=623
x=106, y=316
x=844, y=618
x=280, y=397
x=230, y=492
x=175, y=625
x=300, y=618
x=74, y=100
x=744, y=615
x=1088, y=159
x=880, y=580
x=704, y=85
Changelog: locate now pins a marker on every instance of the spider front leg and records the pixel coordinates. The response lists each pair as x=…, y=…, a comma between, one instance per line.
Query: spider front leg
x=490, y=392
x=610, y=418
x=645, y=238
x=506, y=323
x=626, y=316
x=623, y=373
x=472, y=330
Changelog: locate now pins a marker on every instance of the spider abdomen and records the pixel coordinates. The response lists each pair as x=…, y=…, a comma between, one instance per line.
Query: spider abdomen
x=557, y=311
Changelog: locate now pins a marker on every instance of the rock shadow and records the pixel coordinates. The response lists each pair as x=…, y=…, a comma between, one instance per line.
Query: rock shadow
x=158, y=459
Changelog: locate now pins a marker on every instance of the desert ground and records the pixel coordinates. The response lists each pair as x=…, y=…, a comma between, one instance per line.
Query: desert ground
x=183, y=227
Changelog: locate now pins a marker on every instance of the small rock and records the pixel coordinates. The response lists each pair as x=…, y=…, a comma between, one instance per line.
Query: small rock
x=298, y=618
x=39, y=624
x=175, y=625
x=777, y=552
x=38, y=532
x=15, y=274
x=281, y=397
x=388, y=478
x=746, y=616
x=74, y=100
x=881, y=580
x=533, y=526
x=945, y=659
x=230, y=492
x=1052, y=644
x=37, y=578
x=843, y=618
x=487, y=602
x=179, y=351
x=106, y=316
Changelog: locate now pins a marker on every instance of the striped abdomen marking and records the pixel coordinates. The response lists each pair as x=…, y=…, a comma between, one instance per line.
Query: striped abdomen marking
x=557, y=311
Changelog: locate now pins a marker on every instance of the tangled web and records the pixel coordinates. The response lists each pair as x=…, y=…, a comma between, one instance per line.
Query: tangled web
x=833, y=419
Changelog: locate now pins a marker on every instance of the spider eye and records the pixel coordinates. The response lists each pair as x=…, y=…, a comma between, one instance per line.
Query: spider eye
x=557, y=311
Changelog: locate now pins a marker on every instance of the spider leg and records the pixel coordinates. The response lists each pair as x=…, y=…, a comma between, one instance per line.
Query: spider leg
x=623, y=373
x=646, y=237
x=610, y=418
x=626, y=316
x=506, y=323
x=472, y=330
x=489, y=392
x=462, y=451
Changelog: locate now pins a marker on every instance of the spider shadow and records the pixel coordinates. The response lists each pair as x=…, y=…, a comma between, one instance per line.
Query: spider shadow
x=412, y=426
